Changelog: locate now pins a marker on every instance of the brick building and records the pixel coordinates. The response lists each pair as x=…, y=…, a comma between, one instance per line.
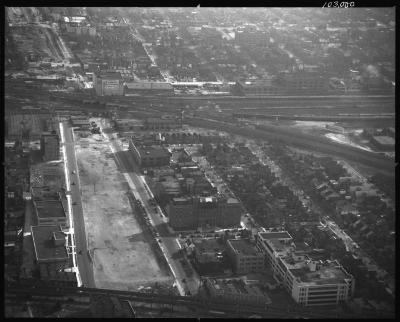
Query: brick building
x=245, y=257
x=204, y=212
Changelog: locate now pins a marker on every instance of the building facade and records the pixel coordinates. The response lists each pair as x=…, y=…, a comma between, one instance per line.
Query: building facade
x=204, y=212
x=108, y=84
x=149, y=156
x=309, y=282
x=245, y=257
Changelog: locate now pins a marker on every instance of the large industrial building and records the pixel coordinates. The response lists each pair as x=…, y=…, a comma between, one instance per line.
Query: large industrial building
x=309, y=282
x=108, y=84
x=204, y=212
x=153, y=88
x=245, y=257
x=303, y=82
x=49, y=244
x=149, y=156
x=50, y=146
x=237, y=291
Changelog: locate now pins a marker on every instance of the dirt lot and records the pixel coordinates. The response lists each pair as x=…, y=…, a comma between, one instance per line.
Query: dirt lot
x=122, y=257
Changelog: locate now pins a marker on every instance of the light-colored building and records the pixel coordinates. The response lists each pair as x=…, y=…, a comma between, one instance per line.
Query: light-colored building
x=236, y=291
x=245, y=257
x=50, y=146
x=309, y=282
x=108, y=84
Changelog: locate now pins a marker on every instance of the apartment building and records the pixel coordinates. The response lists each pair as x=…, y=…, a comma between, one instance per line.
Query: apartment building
x=309, y=282
x=205, y=212
x=245, y=257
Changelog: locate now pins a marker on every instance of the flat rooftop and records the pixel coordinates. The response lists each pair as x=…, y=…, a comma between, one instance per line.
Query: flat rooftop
x=153, y=151
x=43, y=242
x=208, y=245
x=386, y=140
x=330, y=273
x=275, y=235
x=244, y=247
x=50, y=209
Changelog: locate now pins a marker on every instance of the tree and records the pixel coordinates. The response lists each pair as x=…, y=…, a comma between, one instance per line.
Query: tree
x=94, y=178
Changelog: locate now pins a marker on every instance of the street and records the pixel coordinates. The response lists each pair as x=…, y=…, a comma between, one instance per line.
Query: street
x=81, y=252
x=168, y=244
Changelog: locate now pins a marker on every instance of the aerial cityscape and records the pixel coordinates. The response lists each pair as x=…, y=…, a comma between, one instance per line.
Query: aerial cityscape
x=199, y=162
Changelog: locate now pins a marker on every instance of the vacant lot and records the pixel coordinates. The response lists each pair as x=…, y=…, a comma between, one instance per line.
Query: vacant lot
x=121, y=254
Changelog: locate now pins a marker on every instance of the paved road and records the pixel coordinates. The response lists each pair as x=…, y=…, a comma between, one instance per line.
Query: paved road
x=83, y=261
x=169, y=244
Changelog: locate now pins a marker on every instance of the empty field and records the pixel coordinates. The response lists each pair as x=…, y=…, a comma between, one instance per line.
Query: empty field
x=121, y=254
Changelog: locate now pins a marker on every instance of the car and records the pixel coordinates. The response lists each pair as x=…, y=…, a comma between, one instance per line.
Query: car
x=73, y=183
x=159, y=240
x=74, y=203
x=184, y=280
x=73, y=172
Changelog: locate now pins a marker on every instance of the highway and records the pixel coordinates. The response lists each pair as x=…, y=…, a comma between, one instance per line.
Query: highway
x=168, y=244
x=79, y=234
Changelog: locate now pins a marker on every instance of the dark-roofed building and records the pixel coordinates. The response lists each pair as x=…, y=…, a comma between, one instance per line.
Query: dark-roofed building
x=162, y=123
x=108, y=83
x=49, y=244
x=149, y=156
x=236, y=291
x=148, y=88
x=50, y=212
x=205, y=212
x=383, y=142
x=245, y=257
x=50, y=146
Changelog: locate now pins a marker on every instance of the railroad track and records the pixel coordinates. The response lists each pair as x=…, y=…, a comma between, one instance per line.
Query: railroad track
x=33, y=291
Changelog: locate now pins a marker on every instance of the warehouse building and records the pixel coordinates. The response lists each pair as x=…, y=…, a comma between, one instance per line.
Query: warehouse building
x=50, y=146
x=49, y=244
x=149, y=156
x=382, y=142
x=303, y=82
x=245, y=257
x=50, y=212
x=266, y=86
x=204, y=212
x=236, y=291
x=108, y=84
x=309, y=282
x=153, y=88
